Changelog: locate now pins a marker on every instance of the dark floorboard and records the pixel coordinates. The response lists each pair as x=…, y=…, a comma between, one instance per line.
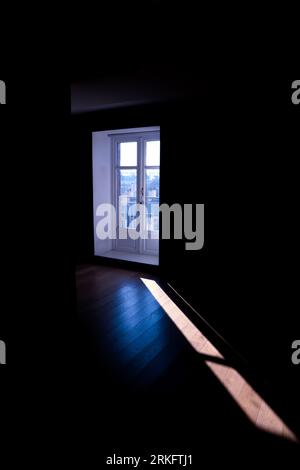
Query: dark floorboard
x=144, y=382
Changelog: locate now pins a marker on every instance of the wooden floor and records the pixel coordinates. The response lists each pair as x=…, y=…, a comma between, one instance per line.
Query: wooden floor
x=128, y=330
x=135, y=257
x=133, y=342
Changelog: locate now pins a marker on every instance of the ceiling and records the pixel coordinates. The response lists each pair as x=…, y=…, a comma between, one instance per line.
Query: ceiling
x=150, y=83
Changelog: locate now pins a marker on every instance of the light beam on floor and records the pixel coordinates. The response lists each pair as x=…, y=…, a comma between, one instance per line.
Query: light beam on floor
x=250, y=402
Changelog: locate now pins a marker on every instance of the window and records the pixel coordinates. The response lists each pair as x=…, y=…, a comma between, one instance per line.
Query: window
x=136, y=181
x=128, y=153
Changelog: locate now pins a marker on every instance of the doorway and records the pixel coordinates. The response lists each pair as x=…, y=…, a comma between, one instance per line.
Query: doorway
x=135, y=180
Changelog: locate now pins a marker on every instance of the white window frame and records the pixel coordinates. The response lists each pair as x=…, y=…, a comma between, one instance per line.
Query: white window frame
x=138, y=246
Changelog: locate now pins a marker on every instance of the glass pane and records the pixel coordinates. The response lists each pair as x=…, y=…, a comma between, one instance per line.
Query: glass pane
x=153, y=153
x=127, y=195
x=152, y=199
x=128, y=154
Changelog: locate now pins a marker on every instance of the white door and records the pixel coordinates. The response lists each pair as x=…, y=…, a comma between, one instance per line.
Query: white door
x=150, y=181
x=136, y=181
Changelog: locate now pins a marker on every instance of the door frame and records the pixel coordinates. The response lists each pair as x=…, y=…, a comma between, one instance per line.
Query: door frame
x=137, y=246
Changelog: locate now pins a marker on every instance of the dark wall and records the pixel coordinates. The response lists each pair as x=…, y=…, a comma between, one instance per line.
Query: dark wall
x=235, y=153
x=81, y=151
x=38, y=267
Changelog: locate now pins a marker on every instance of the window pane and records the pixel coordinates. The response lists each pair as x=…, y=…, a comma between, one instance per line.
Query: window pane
x=152, y=153
x=128, y=154
x=152, y=199
x=127, y=195
x=152, y=183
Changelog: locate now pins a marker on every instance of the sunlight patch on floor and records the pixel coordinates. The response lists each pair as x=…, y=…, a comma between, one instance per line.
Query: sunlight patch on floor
x=250, y=402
